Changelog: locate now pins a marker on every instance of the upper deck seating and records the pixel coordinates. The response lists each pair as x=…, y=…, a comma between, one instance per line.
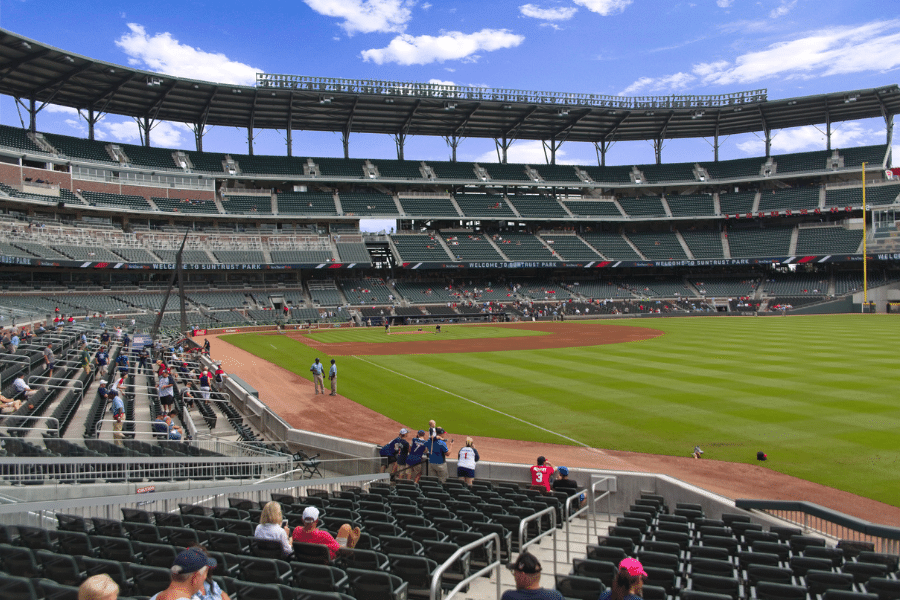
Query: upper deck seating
x=471, y=247
x=212, y=162
x=542, y=207
x=300, y=256
x=428, y=207
x=506, y=172
x=872, y=155
x=398, y=169
x=349, y=168
x=368, y=204
x=828, y=240
x=247, y=205
x=188, y=256
x=16, y=137
x=523, y=246
x=557, y=173
x=79, y=147
x=188, y=206
x=353, y=252
x=155, y=158
x=666, y=172
x=704, y=243
x=269, y=165
x=611, y=245
x=593, y=208
x=484, y=205
x=876, y=195
x=658, y=245
x=737, y=203
x=645, y=207
x=691, y=205
x=117, y=200
x=237, y=257
x=802, y=161
x=754, y=242
x=789, y=199
x=452, y=170
x=734, y=169
x=366, y=291
x=306, y=203
x=419, y=247
x=616, y=174
x=570, y=247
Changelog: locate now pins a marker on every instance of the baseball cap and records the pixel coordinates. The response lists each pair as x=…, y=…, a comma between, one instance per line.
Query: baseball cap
x=191, y=561
x=404, y=431
x=527, y=563
x=564, y=471
x=103, y=381
x=421, y=432
x=440, y=431
x=541, y=460
x=311, y=513
x=633, y=566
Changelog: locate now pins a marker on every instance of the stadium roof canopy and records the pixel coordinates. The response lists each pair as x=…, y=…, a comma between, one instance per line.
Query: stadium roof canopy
x=33, y=71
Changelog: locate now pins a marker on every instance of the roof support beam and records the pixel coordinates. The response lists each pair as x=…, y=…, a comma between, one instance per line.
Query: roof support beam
x=7, y=68
x=766, y=131
x=200, y=126
x=400, y=136
x=512, y=131
x=252, y=123
x=561, y=135
x=345, y=134
x=453, y=141
x=290, y=125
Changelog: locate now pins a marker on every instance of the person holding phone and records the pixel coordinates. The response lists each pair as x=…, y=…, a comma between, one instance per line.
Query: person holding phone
x=273, y=526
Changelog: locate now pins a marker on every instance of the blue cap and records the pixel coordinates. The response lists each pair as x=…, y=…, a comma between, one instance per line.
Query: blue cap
x=191, y=561
x=564, y=471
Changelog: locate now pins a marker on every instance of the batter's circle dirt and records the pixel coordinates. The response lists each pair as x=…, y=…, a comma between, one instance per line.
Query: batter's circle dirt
x=292, y=397
x=558, y=335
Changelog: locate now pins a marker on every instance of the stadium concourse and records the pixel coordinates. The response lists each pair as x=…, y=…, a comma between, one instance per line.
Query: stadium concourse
x=338, y=416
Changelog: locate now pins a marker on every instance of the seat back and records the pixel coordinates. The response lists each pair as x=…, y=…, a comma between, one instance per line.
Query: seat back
x=582, y=588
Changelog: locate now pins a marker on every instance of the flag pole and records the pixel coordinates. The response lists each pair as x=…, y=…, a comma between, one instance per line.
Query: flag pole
x=865, y=248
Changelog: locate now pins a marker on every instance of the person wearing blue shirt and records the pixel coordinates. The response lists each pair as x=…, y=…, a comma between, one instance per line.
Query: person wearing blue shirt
x=101, y=357
x=417, y=449
x=118, y=412
x=318, y=370
x=332, y=377
x=437, y=455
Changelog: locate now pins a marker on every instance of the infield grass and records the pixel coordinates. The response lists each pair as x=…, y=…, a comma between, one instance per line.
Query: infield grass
x=818, y=394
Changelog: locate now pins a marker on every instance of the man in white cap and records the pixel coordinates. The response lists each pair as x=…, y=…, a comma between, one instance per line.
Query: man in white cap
x=309, y=533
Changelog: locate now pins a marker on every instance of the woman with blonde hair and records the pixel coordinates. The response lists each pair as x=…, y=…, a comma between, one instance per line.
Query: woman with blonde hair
x=465, y=466
x=98, y=587
x=273, y=527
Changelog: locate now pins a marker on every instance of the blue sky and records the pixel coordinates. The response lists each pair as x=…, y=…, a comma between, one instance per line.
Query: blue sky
x=631, y=47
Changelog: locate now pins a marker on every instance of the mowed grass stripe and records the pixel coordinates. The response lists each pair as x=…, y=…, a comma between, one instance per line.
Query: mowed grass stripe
x=816, y=393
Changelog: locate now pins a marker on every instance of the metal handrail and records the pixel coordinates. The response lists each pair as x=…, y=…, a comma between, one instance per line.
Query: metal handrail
x=523, y=525
x=495, y=565
x=593, y=503
x=19, y=420
x=567, y=516
x=74, y=384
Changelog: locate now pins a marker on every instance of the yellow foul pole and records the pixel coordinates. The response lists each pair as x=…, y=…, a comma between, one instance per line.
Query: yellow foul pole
x=865, y=235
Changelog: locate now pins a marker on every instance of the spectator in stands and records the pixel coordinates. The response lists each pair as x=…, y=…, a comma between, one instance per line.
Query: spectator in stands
x=41, y=328
x=122, y=362
x=395, y=451
x=176, y=433
x=104, y=337
x=126, y=341
x=6, y=342
x=49, y=359
x=188, y=575
x=438, y=450
x=98, y=587
x=101, y=358
x=309, y=533
x=541, y=475
x=143, y=359
x=211, y=589
x=465, y=466
x=9, y=405
x=416, y=454
x=205, y=383
x=273, y=527
x=118, y=412
x=23, y=388
x=13, y=343
x=563, y=483
x=166, y=391
x=220, y=377
x=527, y=574
x=103, y=391
x=629, y=581
x=85, y=358
x=160, y=427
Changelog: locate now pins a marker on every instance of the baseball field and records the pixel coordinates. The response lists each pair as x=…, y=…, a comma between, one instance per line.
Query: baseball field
x=817, y=394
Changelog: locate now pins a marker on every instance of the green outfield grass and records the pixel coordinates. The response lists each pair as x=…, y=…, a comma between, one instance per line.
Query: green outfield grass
x=414, y=333
x=818, y=394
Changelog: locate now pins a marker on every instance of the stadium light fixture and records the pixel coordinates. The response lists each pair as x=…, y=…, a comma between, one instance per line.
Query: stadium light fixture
x=325, y=99
x=851, y=98
x=388, y=100
x=26, y=45
x=154, y=81
x=449, y=105
x=563, y=113
x=68, y=59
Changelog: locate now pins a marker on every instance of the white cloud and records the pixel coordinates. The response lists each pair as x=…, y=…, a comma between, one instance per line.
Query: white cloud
x=724, y=3
x=164, y=134
x=529, y=152
x=426, y=6
x=800, y=139
x=56, y=108
x=669, y=83
x=784, y=8
x=451, y=45
x=440, y=82
x=164, y=54
x=836, y=51
x=604, y=7
x=562, y=13
x=366, y=16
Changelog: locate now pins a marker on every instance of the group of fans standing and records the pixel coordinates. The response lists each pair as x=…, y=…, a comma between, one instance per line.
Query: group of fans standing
x=405, y=459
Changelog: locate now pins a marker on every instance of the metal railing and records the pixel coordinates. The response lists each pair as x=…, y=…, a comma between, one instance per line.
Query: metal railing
x=493, y=565
x=551, y=531
x=568, y=515
x=592, y=502
x=829, y=523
